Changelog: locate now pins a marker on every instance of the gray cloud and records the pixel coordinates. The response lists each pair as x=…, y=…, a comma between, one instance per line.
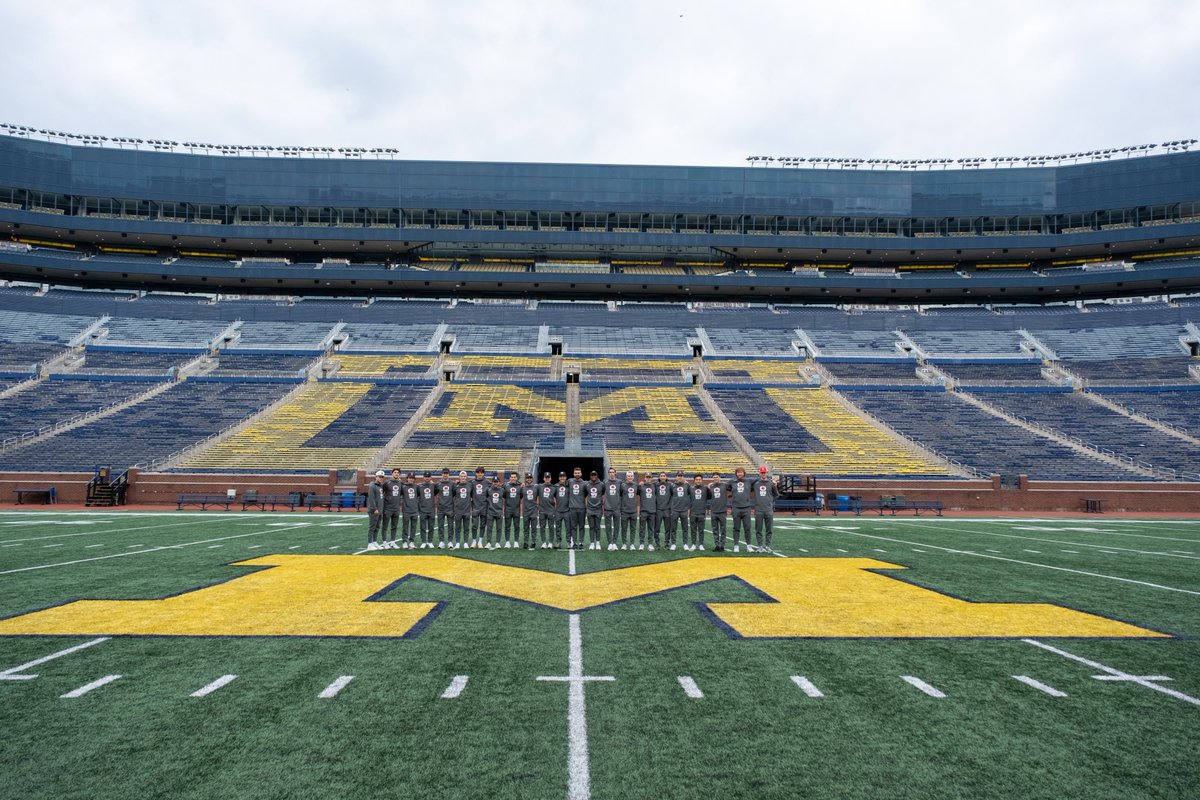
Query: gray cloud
x=696, y=82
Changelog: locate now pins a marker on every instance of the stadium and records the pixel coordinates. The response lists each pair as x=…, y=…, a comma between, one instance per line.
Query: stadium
x=937, y=417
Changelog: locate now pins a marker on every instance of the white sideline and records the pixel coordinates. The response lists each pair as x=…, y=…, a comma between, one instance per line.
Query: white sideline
x=10, y=674
x=923, y=686
x=456, y=687
x=94, y=533
x=1026, y=563
x=212, y=687
x=690, y=688
x=1041, y=687
x=1116, y=674
x=138, y=552
x=87, y=687
x=332, y=689
x=1101, y=547
x=806, y=686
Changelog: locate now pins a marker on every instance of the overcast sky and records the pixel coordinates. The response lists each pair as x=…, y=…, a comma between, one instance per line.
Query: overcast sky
x=685, y=82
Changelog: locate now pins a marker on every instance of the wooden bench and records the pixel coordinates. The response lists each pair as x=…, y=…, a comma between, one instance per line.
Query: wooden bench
x=333, y=502
x=46, y=493
x=896, y=504
x=812, y=504
x=204, y=501
x=255, y=500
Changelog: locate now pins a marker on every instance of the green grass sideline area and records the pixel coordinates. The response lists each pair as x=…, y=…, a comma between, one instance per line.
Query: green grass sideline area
x=454, y=708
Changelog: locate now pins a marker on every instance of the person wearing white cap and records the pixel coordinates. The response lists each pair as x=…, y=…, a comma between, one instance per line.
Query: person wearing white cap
x=629, y=511
x=374, y=509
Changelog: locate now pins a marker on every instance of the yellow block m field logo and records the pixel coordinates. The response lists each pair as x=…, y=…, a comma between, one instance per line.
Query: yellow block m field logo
x=298, y=595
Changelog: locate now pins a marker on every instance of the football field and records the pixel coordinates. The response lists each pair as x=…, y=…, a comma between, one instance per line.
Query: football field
x=261, y=655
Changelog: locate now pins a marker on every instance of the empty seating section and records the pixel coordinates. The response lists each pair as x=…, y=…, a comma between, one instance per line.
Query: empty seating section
x=508, y=369
x=995, y=374
x=1177, y=407
x=231, y=361
x=754, y=370
x=963, y=342
x=147, y=431
x=156, y=331
x=808, y=431
x=133, y=362
x=488, y=424
x=1133, y=371
x=24, y=355
x=629, y=370
x=1104, y=344
x=53, y=402
x=656, y=428
x=494, y=338
x=1073, y=414
x=282, y=335
x=328, y=425
x=397, y=366
x=383, y=337
x=648, y=269
x=633, y=340
x=21, y=326
x=853, y=342
x=898, y=371
x=955, y=429
x=751, y=341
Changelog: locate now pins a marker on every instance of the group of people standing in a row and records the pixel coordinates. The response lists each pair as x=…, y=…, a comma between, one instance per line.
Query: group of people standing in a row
x=492, y=514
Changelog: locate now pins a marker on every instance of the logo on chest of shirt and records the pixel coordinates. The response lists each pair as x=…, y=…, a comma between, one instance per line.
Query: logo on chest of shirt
x=741, y=487
x=762, y=491
x=716, y=492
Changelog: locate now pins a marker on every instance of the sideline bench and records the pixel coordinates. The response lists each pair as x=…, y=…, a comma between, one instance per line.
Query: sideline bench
x=813, y=505
x=46, y=493
x=334, y=502
x=894, y=505
x=204, y=501
x=253, y=499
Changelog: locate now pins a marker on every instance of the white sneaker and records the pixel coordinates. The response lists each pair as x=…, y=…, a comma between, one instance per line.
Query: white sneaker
x=643, y=547
x=737, y=549
x=672, y=548
x=700, y=546
x=651, y=548
x=441, y=545
x=624, y=547
x=372, y=546
x=612, y=546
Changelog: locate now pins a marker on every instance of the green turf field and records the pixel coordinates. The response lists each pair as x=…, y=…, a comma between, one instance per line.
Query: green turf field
x=670, y=698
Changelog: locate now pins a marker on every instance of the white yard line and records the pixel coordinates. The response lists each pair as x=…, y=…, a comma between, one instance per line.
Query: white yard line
x=1101, y=547
x=212, y=687
x=690, y=688
x=1028, y=564
x=807, y=686
x=332, y=689
x=139, y=552
x=456, y=687
x=923, y=686
x=10, y=674
x=1115, y=674
x=87, y=687
x=578, y=776
x=110, y=530
x=1041, y=687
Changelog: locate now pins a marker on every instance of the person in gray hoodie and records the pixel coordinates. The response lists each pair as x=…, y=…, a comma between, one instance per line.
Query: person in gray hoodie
x=374, y=509
x=741, y=498
x=411, y=500
x=427, y=507
x=593, y=505
x=698, y=500
x=629, y=511
x=612, y=509
x=718, y=508
x=677, y=516
x=766, y=489
x=648, y=514
x=392, y=490
x=547, y=516
x=462, y=512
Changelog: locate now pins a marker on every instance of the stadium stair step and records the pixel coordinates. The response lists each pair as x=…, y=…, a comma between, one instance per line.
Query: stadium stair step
x=572, y=433
x=1046, y=433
